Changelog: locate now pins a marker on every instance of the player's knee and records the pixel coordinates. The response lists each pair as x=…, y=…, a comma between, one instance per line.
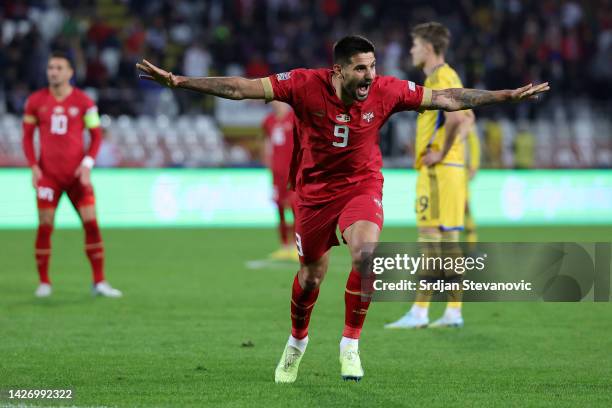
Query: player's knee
x=310, y=279
x=46, y=217
x=430, y=231
x=312, y=276
x=359, y=254
x=87, y=213
x=450, y=236
x=312, y=282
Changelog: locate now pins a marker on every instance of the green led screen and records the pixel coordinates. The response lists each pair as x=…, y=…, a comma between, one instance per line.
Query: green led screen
x=242, y=198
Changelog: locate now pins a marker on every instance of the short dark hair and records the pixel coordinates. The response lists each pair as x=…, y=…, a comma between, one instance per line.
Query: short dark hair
x=435, y=34
x=62, y=55
x=350, y=45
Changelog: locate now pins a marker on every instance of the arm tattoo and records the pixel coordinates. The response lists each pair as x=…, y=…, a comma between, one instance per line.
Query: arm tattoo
x=453, y=99
x=217, y=86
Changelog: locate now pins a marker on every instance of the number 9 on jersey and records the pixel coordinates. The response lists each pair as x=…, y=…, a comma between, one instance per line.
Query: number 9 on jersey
x=342, y=132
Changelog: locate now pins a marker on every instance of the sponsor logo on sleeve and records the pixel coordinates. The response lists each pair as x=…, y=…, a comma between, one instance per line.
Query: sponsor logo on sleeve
x=283, y=76
x=411, y=86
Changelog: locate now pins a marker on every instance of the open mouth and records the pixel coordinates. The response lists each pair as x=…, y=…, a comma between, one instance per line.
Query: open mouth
x=363, y=90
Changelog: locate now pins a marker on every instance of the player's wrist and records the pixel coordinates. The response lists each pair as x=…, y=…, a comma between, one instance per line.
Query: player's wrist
x=88, y=162
x=179, y=80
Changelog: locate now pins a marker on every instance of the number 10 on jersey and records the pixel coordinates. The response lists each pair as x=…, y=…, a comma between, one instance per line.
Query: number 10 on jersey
x=59, y=124
x=342, y=132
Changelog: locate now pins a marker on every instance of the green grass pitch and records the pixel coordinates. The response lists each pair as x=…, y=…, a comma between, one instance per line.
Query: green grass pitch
x=198, y=328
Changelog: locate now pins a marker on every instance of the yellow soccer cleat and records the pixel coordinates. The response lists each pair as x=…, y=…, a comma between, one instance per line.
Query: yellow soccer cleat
x=279, y=255
x=292, y=254
x=287, y=368
x=350, y=364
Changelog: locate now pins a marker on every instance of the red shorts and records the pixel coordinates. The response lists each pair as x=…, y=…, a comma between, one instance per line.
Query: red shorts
x=48, y=193
x=315, y=225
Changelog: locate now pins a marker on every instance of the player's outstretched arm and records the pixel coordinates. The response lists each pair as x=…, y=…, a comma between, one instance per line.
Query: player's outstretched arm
x=453, y=99
x=223, y=87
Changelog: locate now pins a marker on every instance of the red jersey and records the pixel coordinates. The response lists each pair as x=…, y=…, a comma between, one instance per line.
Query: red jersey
x=279, y=131
x=336, y=146
x=61, y=125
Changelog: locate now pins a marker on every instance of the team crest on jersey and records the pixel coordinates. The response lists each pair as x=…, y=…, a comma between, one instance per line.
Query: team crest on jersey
x=283, y=76
x=368, y=116
x=73, y=111
x=58, y=109
x=343, y=117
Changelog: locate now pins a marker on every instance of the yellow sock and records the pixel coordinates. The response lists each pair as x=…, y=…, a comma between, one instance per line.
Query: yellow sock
x=454, y=305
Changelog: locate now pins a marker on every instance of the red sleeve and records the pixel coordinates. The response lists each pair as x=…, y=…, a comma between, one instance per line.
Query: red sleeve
x=29, y=126
x=28, y=143
x=95, y=133
x=96, y=141
x=406, y=95
x=287, y=85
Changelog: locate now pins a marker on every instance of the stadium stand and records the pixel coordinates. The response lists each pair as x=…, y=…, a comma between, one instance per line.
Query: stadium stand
x=495, y=44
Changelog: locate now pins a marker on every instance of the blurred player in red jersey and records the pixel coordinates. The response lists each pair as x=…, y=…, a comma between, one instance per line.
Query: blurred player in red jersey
x=278, y=147
x=61, y=113
x=336, y=168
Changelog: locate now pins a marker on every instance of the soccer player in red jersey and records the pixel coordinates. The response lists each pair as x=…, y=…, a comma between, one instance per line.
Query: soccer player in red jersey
x=278, y=131
x=336, y=168
x=61, y=113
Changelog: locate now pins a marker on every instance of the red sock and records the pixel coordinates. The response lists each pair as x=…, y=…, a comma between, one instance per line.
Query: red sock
x=94, y=249
x=282, y=226
x=302, y=302
x=42, y=252
x=356, y=303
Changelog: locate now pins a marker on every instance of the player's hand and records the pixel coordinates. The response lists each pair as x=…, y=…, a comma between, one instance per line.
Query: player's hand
x=83, y=173
x=528, y=92
x=36, y=175
x=432, y=157
x=153, y=73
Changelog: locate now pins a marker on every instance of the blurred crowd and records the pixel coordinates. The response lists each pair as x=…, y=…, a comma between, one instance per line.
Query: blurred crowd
x=495, y=44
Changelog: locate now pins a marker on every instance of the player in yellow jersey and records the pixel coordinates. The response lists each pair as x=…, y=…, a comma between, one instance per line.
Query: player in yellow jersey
x=473, y=164
x=441, y=181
